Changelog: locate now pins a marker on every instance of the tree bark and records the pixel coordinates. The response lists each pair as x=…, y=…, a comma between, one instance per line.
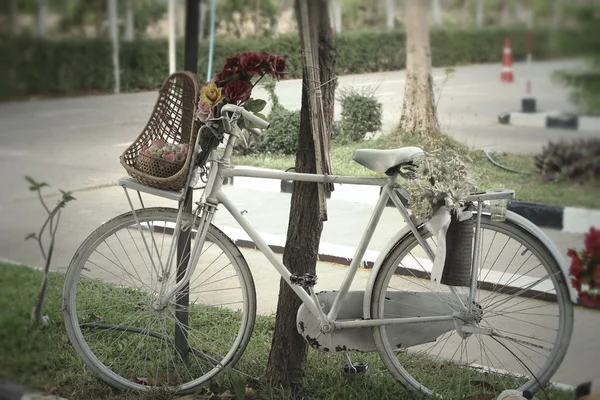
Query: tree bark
x=203, y=8
x=437, y=13
x=129, y=31
x=480, y=13
x=390, y=9
x=336, y=9
x=287, y=359
x=418, y=111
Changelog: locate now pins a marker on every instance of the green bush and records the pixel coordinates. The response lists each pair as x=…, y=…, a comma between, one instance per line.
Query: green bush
x=249, y=142
x=76, y=66
x=578, y=160
x=361, y=114
x=282, y=135
x=585, y=82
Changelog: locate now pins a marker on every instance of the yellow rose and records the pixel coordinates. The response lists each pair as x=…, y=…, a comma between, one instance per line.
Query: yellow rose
x=211, y=94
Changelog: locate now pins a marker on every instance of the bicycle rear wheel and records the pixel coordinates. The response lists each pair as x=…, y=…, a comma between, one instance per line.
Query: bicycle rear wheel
x=522, y=295
x=108, y=297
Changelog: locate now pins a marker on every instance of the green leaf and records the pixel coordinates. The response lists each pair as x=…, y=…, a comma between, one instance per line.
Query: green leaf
x=35, y=185
x=255, y=105
x=31, y=236
x=67, y=196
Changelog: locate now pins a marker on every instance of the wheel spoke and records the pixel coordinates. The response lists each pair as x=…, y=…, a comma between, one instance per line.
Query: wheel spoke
x=118, y=328
x=529, y=328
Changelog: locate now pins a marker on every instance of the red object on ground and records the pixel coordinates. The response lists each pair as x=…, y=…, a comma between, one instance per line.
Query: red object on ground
x=506, y=74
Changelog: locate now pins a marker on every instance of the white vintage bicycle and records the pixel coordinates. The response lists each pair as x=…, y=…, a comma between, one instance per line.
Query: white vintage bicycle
x=139, y=319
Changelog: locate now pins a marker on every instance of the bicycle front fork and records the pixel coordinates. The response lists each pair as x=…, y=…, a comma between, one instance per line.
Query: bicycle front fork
x=205, y=213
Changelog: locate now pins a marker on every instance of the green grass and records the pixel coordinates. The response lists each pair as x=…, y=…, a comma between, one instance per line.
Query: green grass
x=528, y=186
x=42, y=357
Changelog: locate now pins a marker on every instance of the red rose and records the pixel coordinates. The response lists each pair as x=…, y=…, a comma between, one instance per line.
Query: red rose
x=238, y=91
x=225, y=76
x=592, y=242
x=251, y=62
x=277, y=66
x=232, y=63
x=576, y=263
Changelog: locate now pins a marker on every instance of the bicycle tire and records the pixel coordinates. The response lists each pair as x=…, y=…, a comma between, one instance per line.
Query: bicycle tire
x=409, y=370
x=131, y=346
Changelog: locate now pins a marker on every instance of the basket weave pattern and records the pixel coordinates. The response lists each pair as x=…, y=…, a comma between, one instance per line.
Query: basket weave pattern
x=157, y=167
x=172, y=120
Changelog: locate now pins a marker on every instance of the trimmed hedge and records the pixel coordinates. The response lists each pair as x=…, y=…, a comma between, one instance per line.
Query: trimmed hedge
x=75, y=66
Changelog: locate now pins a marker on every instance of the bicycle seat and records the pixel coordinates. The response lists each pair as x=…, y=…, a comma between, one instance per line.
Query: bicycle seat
x=382, y=160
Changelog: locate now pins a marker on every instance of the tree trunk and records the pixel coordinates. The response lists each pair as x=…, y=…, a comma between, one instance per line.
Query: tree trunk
x=14, y=17
x=289, y=350
x=203, y=8
x=418, y=112
x=480, y=13
x=390, y=10
x=519, y=14
x=129, y=35
x=437, y=13
x=336, y=9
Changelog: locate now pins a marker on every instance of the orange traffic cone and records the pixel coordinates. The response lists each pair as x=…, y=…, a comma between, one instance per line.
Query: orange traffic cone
x=507, y=74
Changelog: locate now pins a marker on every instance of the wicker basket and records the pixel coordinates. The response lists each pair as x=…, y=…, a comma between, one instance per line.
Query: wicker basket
x=156, y=166
x=172, y=120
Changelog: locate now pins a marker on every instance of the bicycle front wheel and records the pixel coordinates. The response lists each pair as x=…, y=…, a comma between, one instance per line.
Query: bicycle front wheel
x=522, y=297
x=111, y=315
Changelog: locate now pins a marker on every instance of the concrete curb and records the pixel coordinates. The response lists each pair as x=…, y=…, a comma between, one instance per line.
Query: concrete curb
x=566, y=219
x=551, y=119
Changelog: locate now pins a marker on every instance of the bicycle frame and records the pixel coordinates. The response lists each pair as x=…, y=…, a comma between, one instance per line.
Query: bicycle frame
x=220, y=169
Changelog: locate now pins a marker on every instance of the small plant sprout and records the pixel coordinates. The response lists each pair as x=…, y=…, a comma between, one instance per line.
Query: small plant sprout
x=49, y=228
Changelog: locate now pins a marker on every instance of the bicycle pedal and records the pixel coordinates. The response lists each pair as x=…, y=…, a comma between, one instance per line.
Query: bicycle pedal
x=304, y=280
x=356, y=367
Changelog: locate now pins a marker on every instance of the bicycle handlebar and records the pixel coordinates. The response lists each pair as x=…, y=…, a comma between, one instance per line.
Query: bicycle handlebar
x=247, y=115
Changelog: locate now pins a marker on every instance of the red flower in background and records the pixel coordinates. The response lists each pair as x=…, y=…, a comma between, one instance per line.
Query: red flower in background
x=592, y=242
x=238, y=91
x=576, y=264
x=585, y=269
